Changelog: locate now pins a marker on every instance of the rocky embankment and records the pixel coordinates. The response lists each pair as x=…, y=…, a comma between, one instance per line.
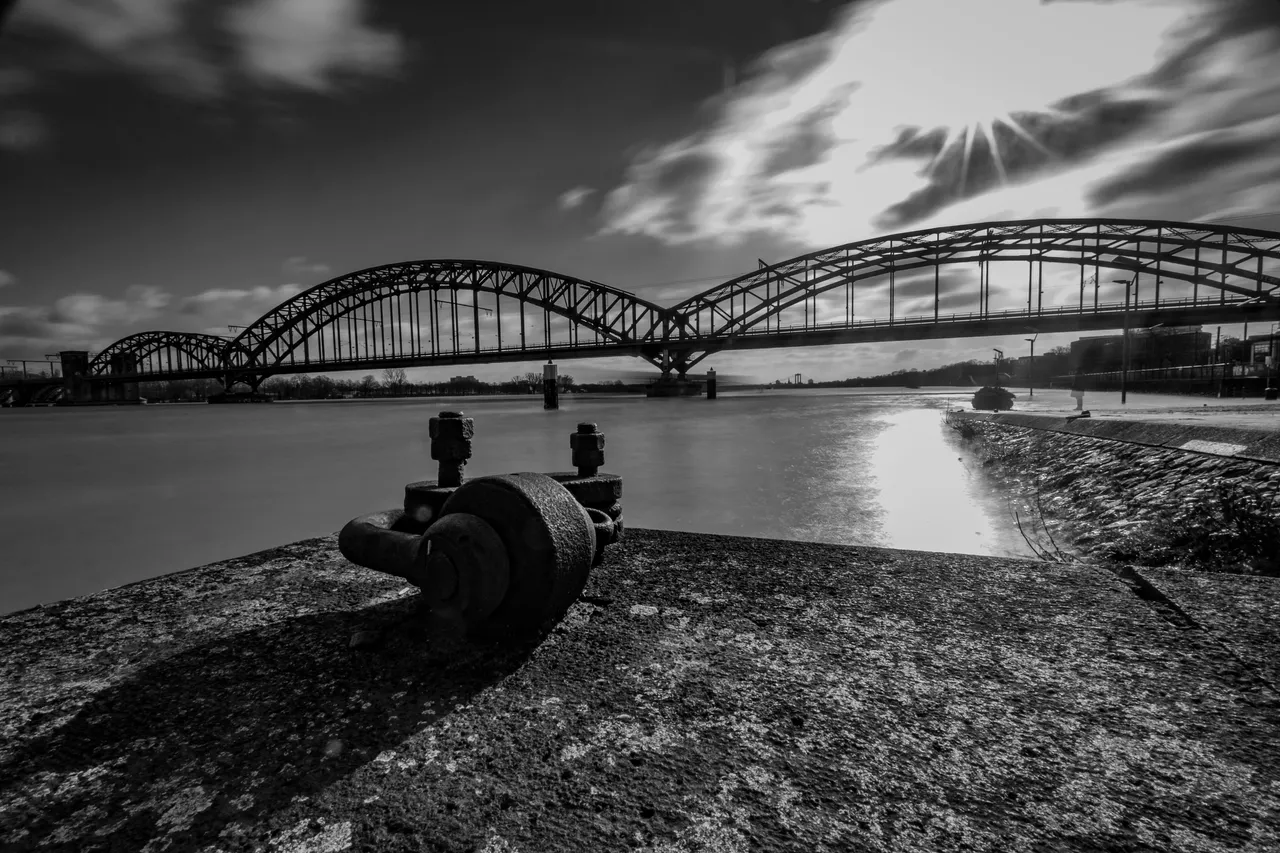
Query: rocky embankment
x=1103, y=501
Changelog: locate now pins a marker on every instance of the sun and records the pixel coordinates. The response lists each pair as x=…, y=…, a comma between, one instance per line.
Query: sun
x=962, y=139
x=970, y=68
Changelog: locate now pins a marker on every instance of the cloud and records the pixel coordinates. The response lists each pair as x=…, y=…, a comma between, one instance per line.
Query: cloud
x=184, y=48
x=153, y=37
x=25, y=323
x=93, y=321
x=306, y=43
x=92, y=310
x=7, y=278
x=298, y=265
x=573, y=198
x=1190, y=161
x=903, y=355
x=22, y=130
x=213, y=310
x=852, y=133
x=81, y=319
x=16, y=81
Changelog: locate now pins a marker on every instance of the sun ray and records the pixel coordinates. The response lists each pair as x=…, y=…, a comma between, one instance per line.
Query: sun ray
x=1012, y=123
x=989, y=133
x=953, y=136
x=964, y=161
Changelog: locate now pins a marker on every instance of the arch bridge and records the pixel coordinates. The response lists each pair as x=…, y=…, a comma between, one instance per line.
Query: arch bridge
x=929, y=283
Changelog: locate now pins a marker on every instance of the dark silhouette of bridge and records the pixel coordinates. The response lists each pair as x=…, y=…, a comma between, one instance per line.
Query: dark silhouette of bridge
x=907, y=286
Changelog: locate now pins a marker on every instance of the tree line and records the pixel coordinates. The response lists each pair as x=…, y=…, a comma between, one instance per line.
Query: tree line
x=393, y=382
x=969, y=372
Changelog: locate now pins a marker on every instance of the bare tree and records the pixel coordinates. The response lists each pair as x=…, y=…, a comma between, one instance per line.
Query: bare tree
x=395, y=378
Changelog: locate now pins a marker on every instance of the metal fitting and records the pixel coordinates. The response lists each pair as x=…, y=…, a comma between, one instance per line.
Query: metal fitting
x=588, y=449
x=500, y=555
x=451, y=435
x=507, y=554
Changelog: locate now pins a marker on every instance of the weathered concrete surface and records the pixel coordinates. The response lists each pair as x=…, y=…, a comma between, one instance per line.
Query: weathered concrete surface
x=1259, y=445
x=708, y=694
x=1242, y=611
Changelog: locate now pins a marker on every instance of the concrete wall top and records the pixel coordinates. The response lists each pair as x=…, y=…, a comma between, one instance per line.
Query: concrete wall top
x=1254, y=444
x=707, y=693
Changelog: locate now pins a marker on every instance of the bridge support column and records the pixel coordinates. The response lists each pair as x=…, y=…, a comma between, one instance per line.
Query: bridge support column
x=123, y=363
x=550, y=394
x=711, y=384
x=75, y=376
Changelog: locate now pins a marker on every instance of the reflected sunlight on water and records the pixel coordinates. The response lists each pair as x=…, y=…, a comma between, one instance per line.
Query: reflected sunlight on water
x=149, y=490
x=928, y=494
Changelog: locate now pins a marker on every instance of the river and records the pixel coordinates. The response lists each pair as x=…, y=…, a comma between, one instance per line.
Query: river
x=97, y=497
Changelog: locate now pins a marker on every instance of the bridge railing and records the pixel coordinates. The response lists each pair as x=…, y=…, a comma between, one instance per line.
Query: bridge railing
x=1105, y=308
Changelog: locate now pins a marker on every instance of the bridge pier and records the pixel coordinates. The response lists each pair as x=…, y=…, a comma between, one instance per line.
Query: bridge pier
x=106, y=391
x=550, y=394
x=75, y=377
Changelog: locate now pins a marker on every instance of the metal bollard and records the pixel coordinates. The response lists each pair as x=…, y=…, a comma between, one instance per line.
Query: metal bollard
x=500, y=555
x=451, y=445
x=588, y=449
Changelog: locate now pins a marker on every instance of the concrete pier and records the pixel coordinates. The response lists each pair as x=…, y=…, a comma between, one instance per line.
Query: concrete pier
x=706, y=693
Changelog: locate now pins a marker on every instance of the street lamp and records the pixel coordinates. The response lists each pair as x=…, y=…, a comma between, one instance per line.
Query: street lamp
x=1270, y=393
x=1031, y=365
x=999, y=355
x=1124, y=340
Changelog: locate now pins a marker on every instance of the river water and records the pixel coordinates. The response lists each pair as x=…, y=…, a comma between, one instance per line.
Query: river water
x=97, y=497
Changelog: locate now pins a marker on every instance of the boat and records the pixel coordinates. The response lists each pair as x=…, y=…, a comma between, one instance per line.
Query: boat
x=993, y=398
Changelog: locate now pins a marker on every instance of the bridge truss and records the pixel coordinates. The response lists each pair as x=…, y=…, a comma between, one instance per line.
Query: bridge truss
x=901, y=286
x=163, y=354
x=447, y=312
x=1187, y=270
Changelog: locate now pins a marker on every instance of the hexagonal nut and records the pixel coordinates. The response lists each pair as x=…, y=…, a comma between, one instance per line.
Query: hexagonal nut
x=450, y=449
x=588, y=457
x=585, y=441
x=451, y=428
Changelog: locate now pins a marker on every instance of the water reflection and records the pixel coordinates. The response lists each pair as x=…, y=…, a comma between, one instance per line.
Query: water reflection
x=157, y=489
x=928, y=494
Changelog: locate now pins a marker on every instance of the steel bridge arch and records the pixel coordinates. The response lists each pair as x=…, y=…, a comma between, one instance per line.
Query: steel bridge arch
x=206, y=351
x=613, y=314
x=1174, y=251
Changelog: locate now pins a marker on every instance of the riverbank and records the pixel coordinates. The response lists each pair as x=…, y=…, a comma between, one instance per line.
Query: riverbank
x=1184, y=489
x=707, y=693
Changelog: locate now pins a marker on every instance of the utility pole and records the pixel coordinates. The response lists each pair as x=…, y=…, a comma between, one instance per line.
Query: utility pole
x=1031, y=365
x=1217, y=356
x=1124, y=341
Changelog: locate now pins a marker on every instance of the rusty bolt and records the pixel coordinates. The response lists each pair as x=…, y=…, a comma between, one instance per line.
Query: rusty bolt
x=451, y=445
x=588, y=449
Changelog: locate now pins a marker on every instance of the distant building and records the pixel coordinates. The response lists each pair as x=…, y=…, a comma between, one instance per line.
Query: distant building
x=1173, y=346
x=1261, y=347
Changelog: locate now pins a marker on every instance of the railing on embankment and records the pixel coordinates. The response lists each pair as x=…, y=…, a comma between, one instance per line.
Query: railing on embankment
x=1240, y=380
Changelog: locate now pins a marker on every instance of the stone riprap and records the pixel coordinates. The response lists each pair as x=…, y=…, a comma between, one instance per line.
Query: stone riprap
x=1095, y=494
x=707, y=693
x=1257, y=443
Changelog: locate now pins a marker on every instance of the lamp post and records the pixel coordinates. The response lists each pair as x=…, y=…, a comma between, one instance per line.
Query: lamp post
x=1031, y=365
x=1124, y=340
x=1270, y=392
x=999, y=354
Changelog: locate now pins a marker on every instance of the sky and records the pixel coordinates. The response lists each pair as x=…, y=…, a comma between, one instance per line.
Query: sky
x=189, y=164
